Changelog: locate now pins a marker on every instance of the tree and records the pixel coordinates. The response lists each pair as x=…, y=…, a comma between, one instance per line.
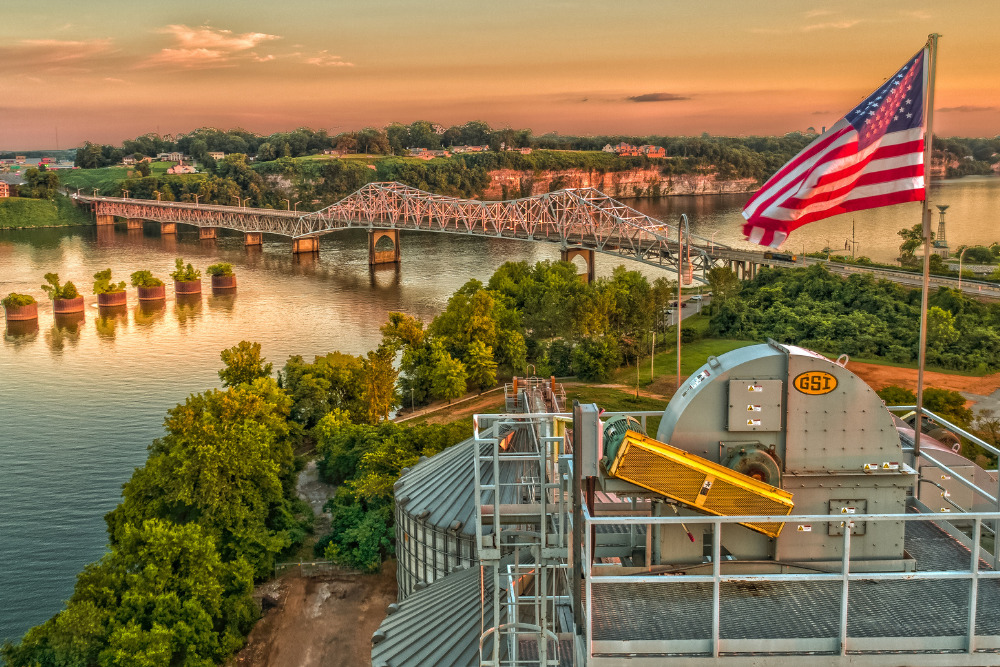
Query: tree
x=724, y=284
x=481, y=366
x=380, y=383
x=143, y=168
x=333, y=381
x=243, y=364
x=222, y=464
x=941, y=331
x=913, y=238
x=448, y=375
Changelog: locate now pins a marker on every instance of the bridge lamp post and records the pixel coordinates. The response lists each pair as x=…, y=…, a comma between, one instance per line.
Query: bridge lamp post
x=680, y=278
x=95, y=192
x=196, y=199
x=125, y=192
x=157, y=193
x=296, y=209
x=288, y=204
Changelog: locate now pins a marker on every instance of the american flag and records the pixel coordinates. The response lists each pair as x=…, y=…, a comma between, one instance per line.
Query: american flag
x=871, y=157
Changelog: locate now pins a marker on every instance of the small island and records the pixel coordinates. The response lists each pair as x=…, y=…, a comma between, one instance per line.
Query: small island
x=109, y=293
x=223, y=277
x=187, y=279
x=65, y=298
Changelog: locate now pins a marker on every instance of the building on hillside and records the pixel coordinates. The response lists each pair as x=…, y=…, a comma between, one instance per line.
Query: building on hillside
x=173, y=156
x=20, y=159
x=216, y=155
x=182, y=169
x=4, y=190
x=427, y=154
x=653, y=151
x=332, y=152
x=469, y=149
x=128, y=160
x=623, y=149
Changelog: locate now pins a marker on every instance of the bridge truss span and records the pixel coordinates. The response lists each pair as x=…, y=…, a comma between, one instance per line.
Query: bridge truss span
x=572, y=218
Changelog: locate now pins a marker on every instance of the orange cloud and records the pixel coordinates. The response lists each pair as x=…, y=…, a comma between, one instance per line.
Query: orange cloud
x=55, y=55
x=206, y=47
x=324, y=59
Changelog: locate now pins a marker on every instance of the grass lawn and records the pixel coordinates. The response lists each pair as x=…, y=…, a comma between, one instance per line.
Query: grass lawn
x=105, y=179
x=19, y=212
x=616, y=400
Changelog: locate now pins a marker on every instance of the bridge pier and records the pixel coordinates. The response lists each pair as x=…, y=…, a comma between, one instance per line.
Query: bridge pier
x=207, y=233
x=134, y=223
x=306, y=244
x=254, y=239
x=567, y=255
x=105, y=219
x=376, y=256
x=168, y=228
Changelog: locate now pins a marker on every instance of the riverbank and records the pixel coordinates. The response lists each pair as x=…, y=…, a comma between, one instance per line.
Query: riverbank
x=23, y=213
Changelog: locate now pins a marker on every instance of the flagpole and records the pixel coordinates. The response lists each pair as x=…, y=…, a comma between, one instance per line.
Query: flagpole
x=930, y=71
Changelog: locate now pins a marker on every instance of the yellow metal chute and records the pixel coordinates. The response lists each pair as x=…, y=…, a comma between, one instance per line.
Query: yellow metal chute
x=698, y=482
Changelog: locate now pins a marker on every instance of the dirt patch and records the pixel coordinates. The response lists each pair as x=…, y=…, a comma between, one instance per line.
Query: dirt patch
x=324, y=620
x=882, y=376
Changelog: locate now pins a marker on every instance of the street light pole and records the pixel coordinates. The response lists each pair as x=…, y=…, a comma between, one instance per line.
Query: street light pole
x=296, y=209
x=680, y=277
x=288, y=204
x=652, y=353
x=960, y=255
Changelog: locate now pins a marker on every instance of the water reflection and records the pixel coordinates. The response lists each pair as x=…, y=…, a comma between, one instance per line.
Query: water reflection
x=147, y=313
x=187, y=308
x=65, y=331
x=135, y=237
x=222, y=300
x=385, y=275
x=168, y=242
x=105, y=236
x=108, y=319
x=21, y=332
x=304, y=263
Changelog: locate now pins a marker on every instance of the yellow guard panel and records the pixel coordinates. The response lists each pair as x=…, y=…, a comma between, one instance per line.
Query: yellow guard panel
x=698, y=482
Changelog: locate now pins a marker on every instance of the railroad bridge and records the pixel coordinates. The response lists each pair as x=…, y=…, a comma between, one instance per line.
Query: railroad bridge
x=581, y=221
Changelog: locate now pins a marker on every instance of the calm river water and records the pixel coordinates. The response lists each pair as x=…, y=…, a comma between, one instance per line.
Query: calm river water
x=79, y=402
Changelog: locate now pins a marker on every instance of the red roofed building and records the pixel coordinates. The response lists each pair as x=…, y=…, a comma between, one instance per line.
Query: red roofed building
x=4, y=190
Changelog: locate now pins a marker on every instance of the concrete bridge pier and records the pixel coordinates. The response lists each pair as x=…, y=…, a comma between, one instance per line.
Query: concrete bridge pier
x=306, y=244
x=388, y=255
x=105, y=219
x=168, y=228
x=134, y=223
x=207, y=233
x=253, y=239
x=567, y=255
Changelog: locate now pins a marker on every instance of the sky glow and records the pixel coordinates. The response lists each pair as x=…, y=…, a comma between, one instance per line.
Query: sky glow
x=109, y=70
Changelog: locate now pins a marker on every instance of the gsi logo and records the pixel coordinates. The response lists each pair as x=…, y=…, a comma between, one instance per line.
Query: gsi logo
x=815, y=383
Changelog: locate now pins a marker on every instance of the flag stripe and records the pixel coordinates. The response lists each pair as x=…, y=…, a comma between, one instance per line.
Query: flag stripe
x=871, y=157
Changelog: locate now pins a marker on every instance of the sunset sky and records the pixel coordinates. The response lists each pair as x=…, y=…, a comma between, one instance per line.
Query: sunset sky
x=108, y=69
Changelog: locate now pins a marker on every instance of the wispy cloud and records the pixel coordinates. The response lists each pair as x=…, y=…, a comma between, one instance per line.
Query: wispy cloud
x=206, y=47
x=831, y=25
x=966, y=108
x=657, y=97
x=325, y=59
x=55, y=55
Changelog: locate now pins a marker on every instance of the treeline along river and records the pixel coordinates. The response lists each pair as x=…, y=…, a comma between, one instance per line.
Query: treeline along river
x=80, y=404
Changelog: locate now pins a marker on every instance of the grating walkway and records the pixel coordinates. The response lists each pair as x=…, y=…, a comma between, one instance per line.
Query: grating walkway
x=762, y=610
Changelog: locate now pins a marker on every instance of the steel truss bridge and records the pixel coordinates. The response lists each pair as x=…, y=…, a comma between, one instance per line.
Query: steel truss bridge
x=574, y=219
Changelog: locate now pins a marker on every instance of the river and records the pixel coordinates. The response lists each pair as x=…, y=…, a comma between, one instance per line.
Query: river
x=79, y=403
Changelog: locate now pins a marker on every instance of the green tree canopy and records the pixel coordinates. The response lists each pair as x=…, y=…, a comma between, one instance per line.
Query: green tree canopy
x=243, y=364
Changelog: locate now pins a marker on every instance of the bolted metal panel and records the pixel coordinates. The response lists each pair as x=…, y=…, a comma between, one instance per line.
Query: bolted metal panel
x=846, y=508
x=755, y=405
x=841, y=425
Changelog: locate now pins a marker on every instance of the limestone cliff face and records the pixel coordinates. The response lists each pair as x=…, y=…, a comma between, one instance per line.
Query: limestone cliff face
x=510, y=184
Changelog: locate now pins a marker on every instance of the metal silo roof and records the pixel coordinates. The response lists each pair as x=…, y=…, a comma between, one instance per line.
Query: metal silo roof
x=438, y=625
x=443, y=486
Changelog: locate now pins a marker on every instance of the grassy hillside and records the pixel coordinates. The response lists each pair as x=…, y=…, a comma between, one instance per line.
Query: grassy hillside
x=105, y=179
x=16, y=212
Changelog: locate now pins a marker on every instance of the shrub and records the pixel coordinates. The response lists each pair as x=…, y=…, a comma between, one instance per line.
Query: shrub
x=14, y=300
x=145, y=278
x=220, y=269
x=103, y=284
x=184, y=274
x=57, y=291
